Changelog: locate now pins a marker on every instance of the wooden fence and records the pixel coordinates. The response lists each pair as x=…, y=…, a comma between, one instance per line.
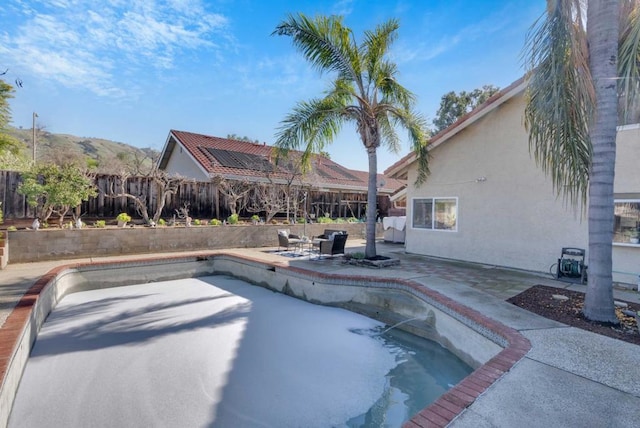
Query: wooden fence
x=203, y=198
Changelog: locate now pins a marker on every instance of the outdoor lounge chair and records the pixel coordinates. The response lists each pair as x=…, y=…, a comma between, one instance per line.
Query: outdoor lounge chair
x=333, y=245
x=287, y=239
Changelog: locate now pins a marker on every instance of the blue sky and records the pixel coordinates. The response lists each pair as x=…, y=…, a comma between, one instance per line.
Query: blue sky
x=131, y=70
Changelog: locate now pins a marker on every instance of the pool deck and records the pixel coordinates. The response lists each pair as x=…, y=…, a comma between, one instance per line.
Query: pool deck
x=569, y=377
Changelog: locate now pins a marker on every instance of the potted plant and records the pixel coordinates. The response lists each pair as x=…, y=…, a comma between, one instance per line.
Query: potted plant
x=123, y=219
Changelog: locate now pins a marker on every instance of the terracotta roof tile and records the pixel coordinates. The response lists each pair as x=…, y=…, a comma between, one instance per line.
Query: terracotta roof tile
x=324, y=171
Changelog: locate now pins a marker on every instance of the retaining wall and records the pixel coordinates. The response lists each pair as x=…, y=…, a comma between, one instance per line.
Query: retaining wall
x=56, y=244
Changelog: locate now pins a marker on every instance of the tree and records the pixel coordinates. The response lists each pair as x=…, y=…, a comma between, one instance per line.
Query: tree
x=453, y=106
x=56, y=189
x=234, y=190
x=163, y=184
x=8, y=144
x=364, y=91
x=239, y=138
x=571, y=115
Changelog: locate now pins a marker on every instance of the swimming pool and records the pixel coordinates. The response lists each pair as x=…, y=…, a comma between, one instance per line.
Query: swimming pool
x=482, y=343
x=216, y=351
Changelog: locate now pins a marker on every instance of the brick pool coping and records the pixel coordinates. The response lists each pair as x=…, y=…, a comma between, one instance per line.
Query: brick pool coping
x=438, y=414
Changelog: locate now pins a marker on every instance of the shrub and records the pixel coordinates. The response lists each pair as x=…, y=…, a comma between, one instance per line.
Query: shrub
x=300, y=220
x=215, y=222
x=340, y=220
x=197, y=222
x=285, y=221
x=232, y=219
x=355, y=255
x=353, y=220
x=274, y=221
x=12, y=228
x=255, y=217
x=1, y=217
x=123, y=217
x=100, y=224
x=324, y=220
x=162, y=222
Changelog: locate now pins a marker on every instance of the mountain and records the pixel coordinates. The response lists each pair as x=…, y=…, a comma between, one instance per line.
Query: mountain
x=50, y=146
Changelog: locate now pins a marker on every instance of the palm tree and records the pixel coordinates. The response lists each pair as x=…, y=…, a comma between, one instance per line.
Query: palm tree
x=572, y=113
x=364, y=91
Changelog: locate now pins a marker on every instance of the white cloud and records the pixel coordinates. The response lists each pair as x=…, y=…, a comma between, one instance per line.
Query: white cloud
x=342, y=7
x=101, y=45
x=427, y=48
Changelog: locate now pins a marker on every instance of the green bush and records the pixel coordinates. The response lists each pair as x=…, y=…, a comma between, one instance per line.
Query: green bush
x=162, y=222
x=255, y=217
x=324, y=220
x=12, y=228
x=1, y=215
x=197, y=222
x=340, y=220
x=123, y=217
x=215, y=222
x=232, y=219
x=355, y=255
x=285, y=221
x=300, y=220
x=353, y=220
x=100, y=224
x=274, y=221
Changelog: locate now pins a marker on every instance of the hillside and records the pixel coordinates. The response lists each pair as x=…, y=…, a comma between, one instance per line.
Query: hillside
x=50, y=146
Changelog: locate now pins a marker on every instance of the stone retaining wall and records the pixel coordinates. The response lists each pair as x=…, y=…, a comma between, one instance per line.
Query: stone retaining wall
x=55, y=244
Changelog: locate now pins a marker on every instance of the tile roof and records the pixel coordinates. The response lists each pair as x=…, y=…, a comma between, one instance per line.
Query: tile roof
x=234, y=158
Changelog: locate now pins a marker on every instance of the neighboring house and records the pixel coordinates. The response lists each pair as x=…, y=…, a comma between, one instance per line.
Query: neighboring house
x=332, y=188
x=487, y=201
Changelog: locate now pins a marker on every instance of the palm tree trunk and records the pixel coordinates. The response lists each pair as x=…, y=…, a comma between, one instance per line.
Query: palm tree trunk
x=372, y=204
x=602, y=33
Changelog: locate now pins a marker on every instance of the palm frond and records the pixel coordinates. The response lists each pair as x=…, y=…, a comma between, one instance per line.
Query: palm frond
x=388, y=135
x=324, y=41
x=310, y=127
x=560, y=99
x=392, y=91
x=629, y=57
x=418, y=134
x=377, y=43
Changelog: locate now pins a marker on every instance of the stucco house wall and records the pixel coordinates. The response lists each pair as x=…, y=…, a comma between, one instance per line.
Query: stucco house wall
x=183, y=164
x=508, y=213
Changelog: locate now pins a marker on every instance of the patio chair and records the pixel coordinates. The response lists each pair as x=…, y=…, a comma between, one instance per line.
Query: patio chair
x=287, y=239
x=333, y=245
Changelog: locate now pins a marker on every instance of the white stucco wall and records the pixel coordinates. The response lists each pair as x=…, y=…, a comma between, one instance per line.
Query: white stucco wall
x=182, y=163
x=513, y=218
x=627, y=181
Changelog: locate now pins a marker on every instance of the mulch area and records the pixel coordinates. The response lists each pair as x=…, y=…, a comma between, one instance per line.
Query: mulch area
x=539, y=300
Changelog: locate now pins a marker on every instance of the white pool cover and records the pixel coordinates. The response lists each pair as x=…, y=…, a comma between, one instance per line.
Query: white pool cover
x=211, y=351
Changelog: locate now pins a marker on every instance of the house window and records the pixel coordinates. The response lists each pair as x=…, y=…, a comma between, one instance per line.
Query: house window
x=627, y=221
x=435, y=213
